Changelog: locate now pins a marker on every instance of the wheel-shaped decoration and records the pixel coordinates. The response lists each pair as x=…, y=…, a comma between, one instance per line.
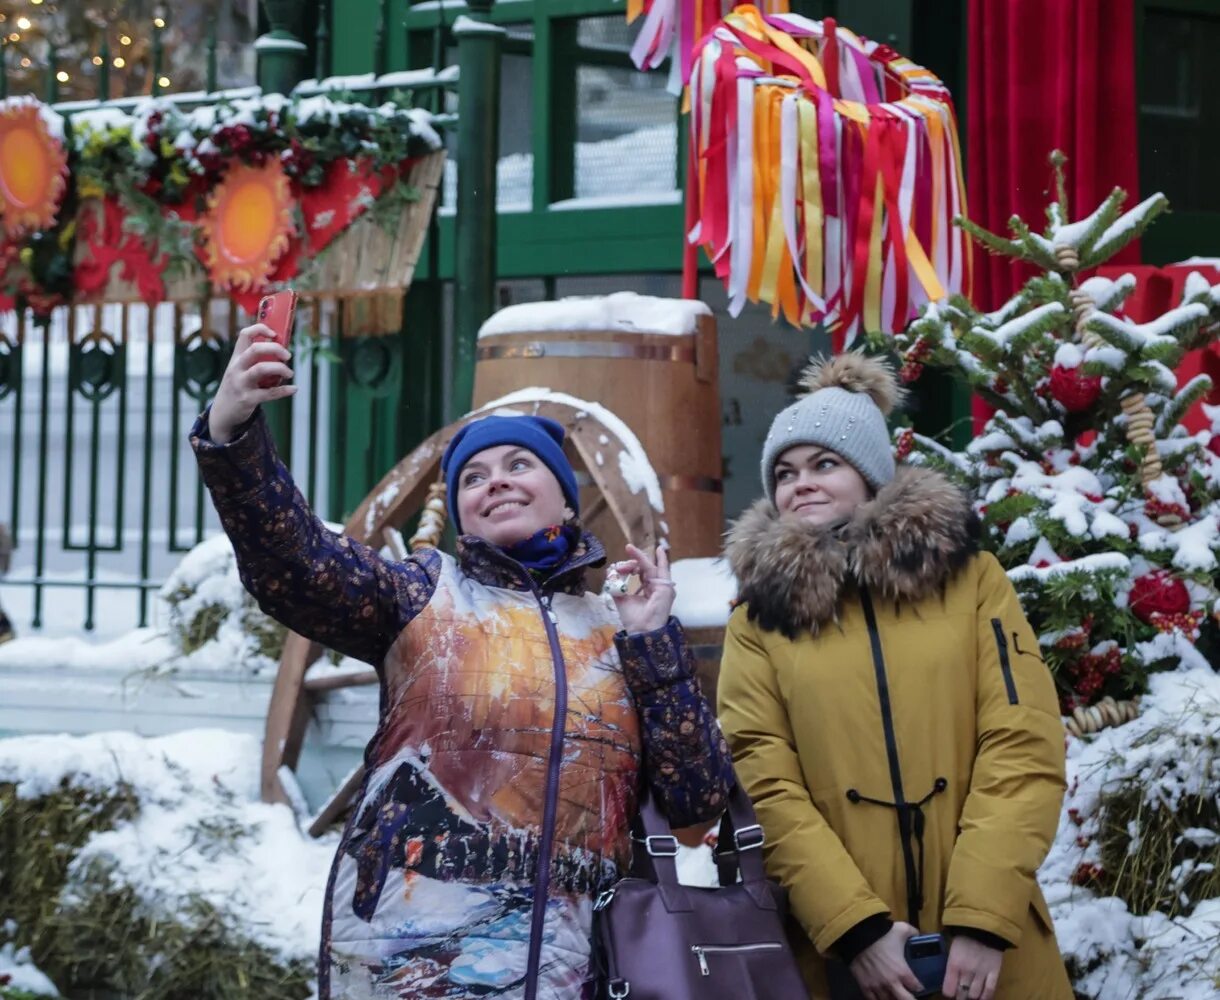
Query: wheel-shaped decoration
x=377, y=522
x=96, y=366
x=199, y=364
x=10, y=366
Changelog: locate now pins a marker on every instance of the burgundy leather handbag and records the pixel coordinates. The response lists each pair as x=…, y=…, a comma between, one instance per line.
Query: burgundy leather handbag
x=659, y=940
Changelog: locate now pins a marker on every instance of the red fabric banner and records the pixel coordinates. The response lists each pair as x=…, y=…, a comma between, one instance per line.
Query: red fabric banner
x=1044, y=75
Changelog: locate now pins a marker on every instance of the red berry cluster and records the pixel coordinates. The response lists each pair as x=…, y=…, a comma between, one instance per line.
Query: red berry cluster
x=298, y=160
x=1155, y=508
x=919, y=351
x=1076, y=638
x=1188, y=624
x=910, y=371
x=906, y=441
x=1087, y=872
x=152, y=138
x=1089, y=673
x=240, y=141
x=1000, y=385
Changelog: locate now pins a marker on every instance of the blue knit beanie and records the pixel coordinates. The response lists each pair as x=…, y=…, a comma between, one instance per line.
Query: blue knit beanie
x=540, y=435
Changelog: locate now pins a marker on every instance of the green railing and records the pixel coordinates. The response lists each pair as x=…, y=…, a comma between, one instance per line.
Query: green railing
x=102, y=493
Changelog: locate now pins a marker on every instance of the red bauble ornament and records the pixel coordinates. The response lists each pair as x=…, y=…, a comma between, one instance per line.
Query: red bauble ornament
x=1158, y=593
x=1074, y=390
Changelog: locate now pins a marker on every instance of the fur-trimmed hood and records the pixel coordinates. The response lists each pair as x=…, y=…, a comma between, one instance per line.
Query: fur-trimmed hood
x=903, y=545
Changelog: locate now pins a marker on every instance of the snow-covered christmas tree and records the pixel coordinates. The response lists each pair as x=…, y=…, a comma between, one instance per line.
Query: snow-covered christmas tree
x=1099, y=503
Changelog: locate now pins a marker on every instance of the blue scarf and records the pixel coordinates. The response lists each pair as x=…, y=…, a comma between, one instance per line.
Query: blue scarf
x=545, y=551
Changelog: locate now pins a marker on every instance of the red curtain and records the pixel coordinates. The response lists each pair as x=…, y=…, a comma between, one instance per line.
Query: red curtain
x=1043, y=75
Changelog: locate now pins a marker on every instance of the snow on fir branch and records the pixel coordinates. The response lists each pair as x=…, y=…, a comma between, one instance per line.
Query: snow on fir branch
x=1102, y=506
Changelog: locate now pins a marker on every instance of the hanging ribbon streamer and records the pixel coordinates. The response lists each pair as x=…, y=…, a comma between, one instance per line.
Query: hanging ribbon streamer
x=673, y=28
x=827, y=173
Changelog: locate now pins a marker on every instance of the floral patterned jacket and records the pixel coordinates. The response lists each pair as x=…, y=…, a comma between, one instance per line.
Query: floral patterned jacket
x=516, y=722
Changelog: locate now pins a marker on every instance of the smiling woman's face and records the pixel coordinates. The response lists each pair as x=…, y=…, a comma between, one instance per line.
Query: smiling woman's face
x=816, y=485
x=506, y=494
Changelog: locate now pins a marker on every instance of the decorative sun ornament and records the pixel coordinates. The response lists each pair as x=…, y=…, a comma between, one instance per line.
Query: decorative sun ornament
x=33, y=168
x=248, y=225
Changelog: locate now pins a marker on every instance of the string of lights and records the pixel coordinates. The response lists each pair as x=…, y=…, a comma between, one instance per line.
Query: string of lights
x=84, y=49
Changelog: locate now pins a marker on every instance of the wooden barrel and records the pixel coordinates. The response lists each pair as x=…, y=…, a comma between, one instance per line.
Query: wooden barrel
x=663, y=383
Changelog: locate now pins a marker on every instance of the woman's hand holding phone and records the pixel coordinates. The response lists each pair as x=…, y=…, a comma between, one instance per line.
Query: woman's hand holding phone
x=881, y=969
x=258, y=373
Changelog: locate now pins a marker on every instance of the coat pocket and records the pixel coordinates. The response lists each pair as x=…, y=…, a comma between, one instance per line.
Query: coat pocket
x=1001, y=643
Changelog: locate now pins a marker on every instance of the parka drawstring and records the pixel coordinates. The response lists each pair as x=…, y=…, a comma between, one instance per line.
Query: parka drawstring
x=911, y=825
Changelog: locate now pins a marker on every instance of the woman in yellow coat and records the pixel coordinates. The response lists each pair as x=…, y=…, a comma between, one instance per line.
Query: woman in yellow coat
x=888, y=709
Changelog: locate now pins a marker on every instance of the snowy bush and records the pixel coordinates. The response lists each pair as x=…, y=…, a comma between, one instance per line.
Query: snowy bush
x=1134, y=874
x=213, y=622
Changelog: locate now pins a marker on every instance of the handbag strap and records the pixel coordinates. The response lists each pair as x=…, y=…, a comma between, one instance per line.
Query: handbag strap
x=741, y=839
x=655, y=849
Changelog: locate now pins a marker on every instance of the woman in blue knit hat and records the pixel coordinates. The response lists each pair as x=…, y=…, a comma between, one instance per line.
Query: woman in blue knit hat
x=517, y=708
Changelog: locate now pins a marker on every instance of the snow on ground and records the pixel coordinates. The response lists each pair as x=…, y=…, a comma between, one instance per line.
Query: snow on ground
x=18, y=972
x=201, y=831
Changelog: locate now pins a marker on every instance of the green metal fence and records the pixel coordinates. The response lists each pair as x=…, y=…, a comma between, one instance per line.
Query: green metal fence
x=96, y=476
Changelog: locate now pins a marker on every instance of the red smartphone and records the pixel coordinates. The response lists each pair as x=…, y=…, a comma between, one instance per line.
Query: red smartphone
x=278, y=311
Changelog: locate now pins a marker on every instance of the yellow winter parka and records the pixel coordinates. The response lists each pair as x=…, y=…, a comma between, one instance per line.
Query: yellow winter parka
x=894, y=723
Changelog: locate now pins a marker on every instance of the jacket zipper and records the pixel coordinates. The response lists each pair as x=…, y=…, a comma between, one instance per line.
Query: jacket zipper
x=542, y=880
x=891, y=751
x=703, y=950
x=1001, y=643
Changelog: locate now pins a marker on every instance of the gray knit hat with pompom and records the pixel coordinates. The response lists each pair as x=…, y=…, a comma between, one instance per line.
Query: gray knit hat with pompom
x=847, y=400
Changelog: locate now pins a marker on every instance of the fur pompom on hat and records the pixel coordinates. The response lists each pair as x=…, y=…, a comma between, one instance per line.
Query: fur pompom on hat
x=848, y=398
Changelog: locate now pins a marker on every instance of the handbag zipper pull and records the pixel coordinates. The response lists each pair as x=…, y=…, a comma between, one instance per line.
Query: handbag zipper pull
x=702, y=959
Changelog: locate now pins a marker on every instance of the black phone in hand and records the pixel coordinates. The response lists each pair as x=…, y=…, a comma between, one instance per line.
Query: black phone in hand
x=928, y=956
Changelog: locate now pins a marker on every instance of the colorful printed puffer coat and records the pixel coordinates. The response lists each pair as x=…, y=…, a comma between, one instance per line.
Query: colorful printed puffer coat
x=513, y=720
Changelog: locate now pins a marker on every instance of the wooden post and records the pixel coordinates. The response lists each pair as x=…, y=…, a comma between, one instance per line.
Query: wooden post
x=479, y=46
